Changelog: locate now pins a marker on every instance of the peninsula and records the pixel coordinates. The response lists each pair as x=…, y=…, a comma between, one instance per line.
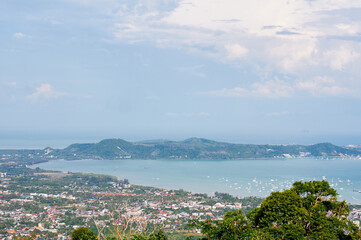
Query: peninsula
x=193, y=148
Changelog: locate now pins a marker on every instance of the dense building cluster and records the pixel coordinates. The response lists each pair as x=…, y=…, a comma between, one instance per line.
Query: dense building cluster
x=53, y=204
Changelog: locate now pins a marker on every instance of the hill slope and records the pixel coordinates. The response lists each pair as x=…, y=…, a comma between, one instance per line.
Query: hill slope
x=195, y=148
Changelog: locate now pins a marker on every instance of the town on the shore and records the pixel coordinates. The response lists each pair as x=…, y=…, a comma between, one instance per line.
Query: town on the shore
x=53, y=204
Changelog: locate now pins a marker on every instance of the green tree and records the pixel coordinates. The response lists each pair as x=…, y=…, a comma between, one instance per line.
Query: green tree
x=309, y=210
x=158, y=235
x=83, y=233
x=234, y=226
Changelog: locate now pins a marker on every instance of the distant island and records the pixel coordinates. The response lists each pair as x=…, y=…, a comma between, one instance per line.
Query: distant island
x=193, y=148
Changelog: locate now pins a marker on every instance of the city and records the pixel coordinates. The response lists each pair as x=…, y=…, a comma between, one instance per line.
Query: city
x=53, y=204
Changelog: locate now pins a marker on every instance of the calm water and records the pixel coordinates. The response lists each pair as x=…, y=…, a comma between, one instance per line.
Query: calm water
x=237, y=177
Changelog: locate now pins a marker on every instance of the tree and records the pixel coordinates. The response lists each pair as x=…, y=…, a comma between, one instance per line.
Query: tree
x=83, y=233
x=309, y=210
x=158, y=235
x=234, y=226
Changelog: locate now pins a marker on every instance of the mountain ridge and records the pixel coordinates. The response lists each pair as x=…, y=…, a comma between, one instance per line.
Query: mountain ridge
x=191, y=148
x=196, y=148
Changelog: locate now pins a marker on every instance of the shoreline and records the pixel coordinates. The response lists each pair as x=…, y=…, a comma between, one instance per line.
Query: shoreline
x=201, y=159
x=66, y=173
x=196, y=177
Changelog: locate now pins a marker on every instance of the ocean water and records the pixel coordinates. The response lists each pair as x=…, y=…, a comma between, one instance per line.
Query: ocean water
x=238, y=177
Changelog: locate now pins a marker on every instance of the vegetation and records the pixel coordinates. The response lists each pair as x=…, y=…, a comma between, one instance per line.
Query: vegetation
x=197, y=148
x=193, y=148
x=83, y=233
x=309, y=210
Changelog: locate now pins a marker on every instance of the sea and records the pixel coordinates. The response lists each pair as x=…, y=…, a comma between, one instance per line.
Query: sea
x=242, y=178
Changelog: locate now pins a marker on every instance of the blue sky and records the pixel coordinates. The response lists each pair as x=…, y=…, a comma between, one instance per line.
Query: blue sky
x=241, y=71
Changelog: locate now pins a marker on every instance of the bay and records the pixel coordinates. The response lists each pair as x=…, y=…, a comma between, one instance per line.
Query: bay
x=256, y=177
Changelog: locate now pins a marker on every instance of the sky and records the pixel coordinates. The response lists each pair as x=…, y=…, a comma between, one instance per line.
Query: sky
x=277, y=72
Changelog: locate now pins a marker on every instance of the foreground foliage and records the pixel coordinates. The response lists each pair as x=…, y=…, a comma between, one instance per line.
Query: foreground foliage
x=83, y=233
x=309, y=210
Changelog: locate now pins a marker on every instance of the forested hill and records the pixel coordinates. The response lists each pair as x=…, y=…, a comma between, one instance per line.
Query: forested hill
x=195, y=148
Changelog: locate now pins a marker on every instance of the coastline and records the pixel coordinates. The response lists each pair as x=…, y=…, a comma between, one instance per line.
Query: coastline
x=229, y=176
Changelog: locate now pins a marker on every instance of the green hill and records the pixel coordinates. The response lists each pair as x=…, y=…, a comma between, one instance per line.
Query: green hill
x=196, y=148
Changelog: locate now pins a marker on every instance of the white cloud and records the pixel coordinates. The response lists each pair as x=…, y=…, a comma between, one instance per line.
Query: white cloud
x=303, y=38
x=349, y=29
x=272, y=89
x=236, y=51
x=204, y=114
x=323, y=86
x=10, y=84
x=253, y=16
x=339, y=58
x=277, y=114
x=228, y=92
x=171, y=114
x=46, y=91
x=20, y=35
x=319, y=86
x=194, y=70
x=267, y=89
x=293, y=54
